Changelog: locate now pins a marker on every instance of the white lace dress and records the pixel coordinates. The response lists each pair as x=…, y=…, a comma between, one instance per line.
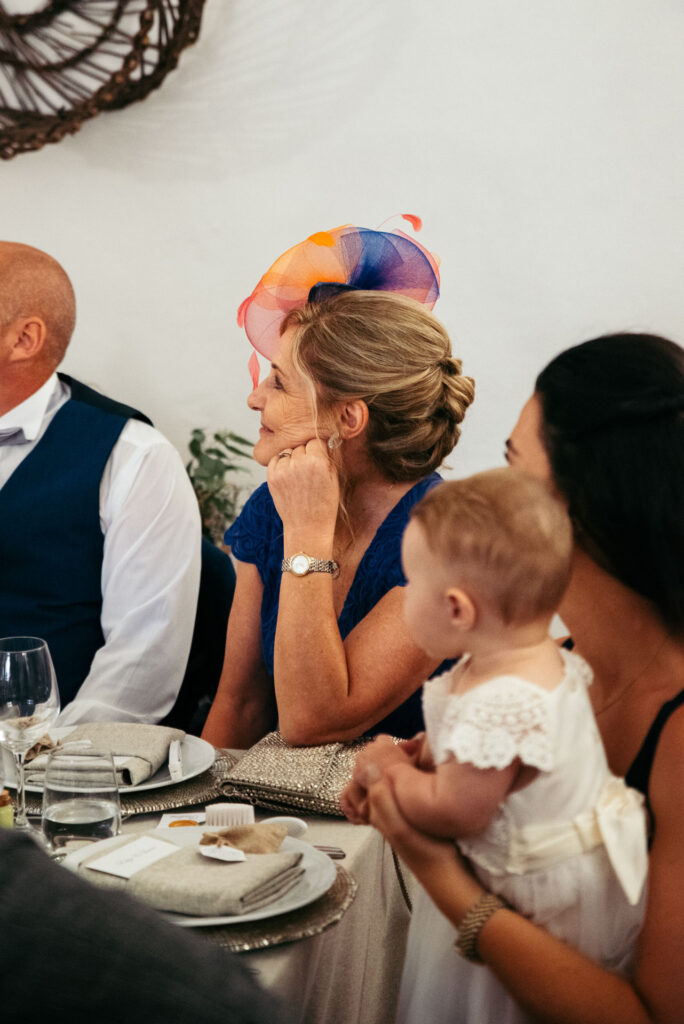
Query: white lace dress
x=568, y=851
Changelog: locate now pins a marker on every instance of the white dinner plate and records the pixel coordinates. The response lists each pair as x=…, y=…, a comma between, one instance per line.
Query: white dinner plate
x=198, y=755
x=319, y=875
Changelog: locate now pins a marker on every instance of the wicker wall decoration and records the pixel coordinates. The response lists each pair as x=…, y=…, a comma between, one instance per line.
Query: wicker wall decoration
x=63, y=62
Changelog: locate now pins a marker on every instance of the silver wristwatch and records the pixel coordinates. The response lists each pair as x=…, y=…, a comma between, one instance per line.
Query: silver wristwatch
x=301, y=565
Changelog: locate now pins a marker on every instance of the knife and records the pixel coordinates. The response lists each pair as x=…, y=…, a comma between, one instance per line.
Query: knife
x=175, y=761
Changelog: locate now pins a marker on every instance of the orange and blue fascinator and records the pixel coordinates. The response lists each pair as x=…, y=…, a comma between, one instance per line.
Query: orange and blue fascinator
x=345, y=258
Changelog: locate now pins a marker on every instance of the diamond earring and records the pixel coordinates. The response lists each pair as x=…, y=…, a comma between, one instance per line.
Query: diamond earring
x=334, y=441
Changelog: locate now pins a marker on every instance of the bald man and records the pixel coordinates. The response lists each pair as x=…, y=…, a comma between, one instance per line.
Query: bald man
x=99, y=526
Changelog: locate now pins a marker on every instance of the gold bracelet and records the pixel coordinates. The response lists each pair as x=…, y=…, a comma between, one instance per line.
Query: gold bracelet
x=474, y=921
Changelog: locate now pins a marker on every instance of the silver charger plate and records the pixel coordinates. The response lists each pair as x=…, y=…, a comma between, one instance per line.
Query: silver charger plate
x=198, y=756
x=304, y=923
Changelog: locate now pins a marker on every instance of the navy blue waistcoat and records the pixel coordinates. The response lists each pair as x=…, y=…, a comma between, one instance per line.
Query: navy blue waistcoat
x=51, y=542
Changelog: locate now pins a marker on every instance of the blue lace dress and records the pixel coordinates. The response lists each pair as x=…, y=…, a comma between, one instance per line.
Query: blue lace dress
x=257, y=537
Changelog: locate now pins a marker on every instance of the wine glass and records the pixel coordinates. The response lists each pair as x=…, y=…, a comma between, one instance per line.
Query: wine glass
x=80, y=796
x=29, y=703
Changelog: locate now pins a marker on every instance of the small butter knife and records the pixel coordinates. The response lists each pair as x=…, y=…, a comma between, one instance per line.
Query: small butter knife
x=175, y=761
x=334, y=852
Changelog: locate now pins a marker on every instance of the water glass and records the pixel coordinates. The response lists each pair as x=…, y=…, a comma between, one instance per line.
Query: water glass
x=80, y=797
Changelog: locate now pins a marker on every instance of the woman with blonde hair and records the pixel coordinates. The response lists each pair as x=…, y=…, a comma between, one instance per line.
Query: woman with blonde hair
x=362, y=404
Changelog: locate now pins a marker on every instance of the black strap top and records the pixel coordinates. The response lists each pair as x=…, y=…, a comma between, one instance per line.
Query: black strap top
x=639, y=772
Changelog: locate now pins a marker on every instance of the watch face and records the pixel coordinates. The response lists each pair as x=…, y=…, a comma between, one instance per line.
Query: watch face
x=299, y=565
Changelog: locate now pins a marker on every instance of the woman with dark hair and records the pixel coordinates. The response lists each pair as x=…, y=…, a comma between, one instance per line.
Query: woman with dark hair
x=605, y=427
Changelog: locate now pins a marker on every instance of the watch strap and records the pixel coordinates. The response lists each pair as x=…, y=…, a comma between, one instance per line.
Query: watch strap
x=315, y=565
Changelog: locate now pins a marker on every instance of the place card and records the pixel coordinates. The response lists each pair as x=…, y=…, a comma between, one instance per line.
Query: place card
x=131, y=857
x=227, y=853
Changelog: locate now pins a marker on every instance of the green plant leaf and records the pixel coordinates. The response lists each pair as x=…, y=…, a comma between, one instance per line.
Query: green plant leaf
x=218, y=497
x=236, y=451
x=223, y=435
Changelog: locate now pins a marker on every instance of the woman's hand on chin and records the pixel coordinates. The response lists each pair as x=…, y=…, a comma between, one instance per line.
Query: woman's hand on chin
x=305, y=489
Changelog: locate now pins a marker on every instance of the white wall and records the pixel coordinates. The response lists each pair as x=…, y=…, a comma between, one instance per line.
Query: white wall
x=541, y=142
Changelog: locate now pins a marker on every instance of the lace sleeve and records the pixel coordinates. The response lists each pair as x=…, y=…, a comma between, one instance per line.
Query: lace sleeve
x=252, y=533
x=503, y=719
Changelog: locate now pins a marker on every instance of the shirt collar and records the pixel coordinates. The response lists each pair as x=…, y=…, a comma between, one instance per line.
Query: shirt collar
x=30, y=413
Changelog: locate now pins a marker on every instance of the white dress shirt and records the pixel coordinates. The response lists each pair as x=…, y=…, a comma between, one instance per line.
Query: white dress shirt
x=150, y=568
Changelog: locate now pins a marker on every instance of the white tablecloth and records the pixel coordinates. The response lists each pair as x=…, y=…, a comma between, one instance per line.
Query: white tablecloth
x=349, y=974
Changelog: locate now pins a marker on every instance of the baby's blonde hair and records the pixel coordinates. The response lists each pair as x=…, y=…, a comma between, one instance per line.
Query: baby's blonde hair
x=508, y=536
x=395, y=355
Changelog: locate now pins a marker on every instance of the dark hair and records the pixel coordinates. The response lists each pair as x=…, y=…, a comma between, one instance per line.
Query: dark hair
x=613, y=428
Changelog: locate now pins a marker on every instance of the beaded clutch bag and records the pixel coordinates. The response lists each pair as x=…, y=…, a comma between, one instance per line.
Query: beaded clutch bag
x=276, y=775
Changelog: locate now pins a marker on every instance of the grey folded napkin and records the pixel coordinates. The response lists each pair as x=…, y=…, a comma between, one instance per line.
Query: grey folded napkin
x=185, y=882
x=139, y=750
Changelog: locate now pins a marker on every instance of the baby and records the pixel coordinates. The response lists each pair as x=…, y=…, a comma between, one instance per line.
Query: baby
x=511, y=764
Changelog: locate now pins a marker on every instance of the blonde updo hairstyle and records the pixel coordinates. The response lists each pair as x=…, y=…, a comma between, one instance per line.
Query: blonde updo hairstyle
x=393, y=354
